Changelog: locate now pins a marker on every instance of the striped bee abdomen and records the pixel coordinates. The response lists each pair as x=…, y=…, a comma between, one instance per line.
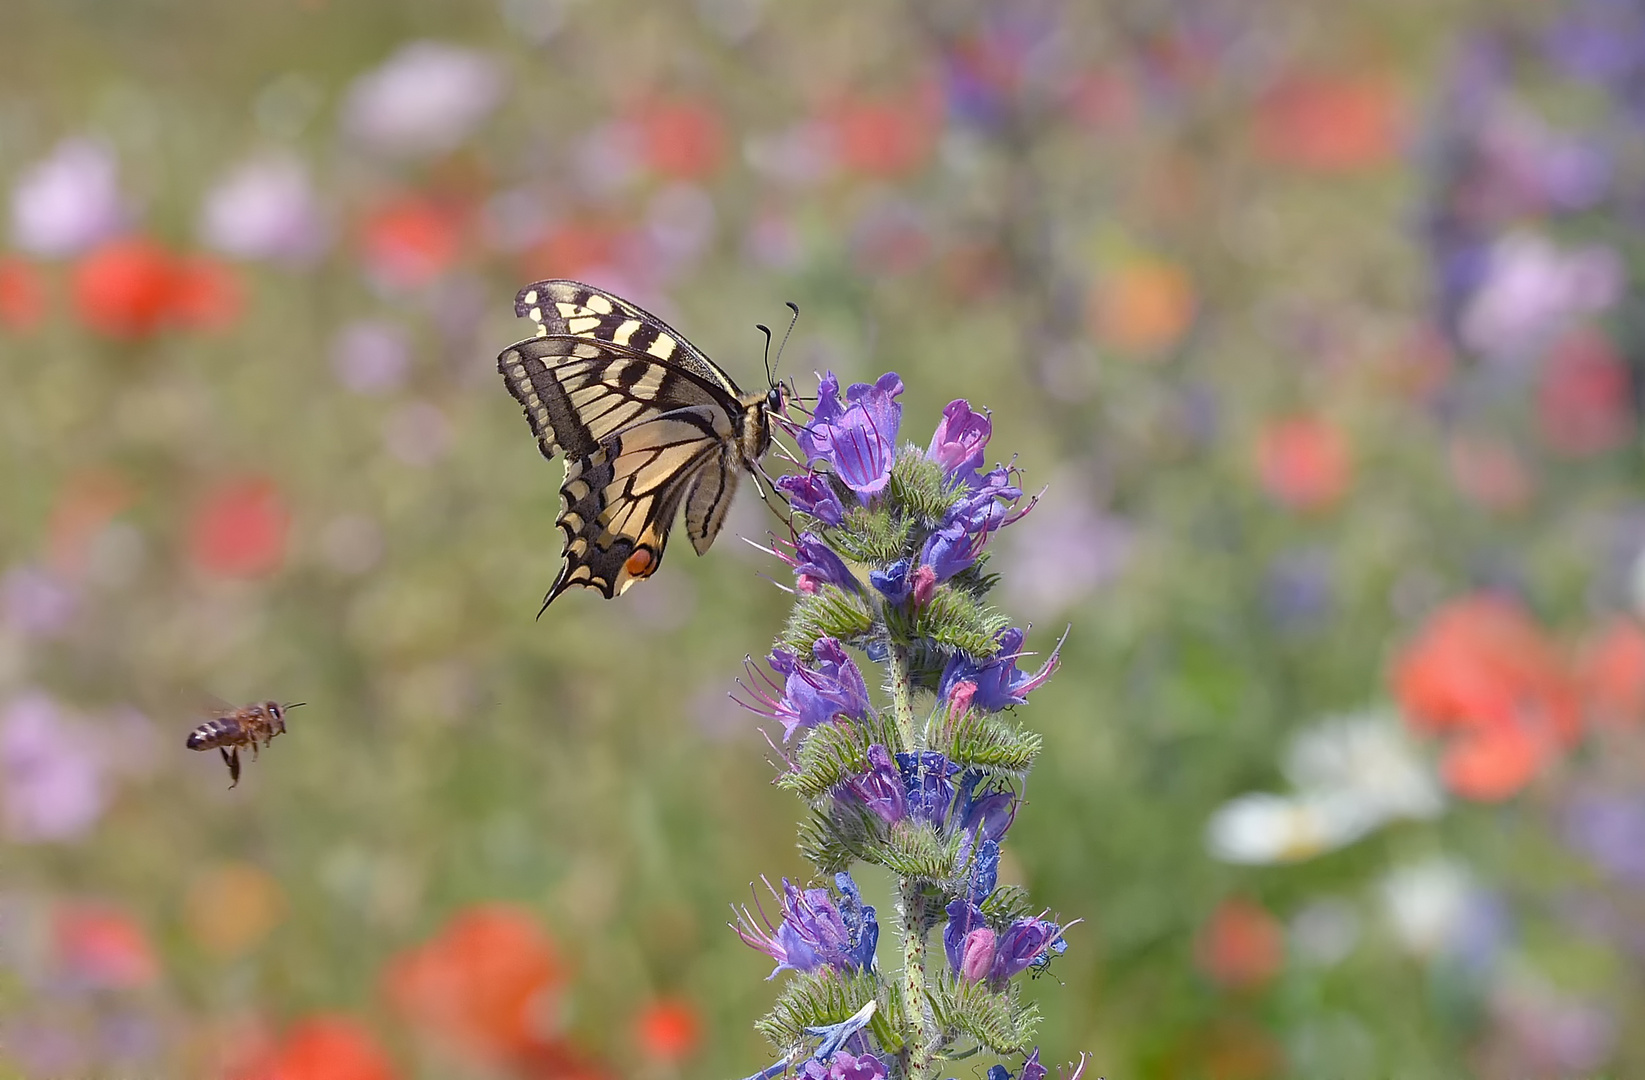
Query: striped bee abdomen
x=212, y=733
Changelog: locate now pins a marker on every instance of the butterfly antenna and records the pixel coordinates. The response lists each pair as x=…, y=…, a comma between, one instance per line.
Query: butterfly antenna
x=766, y=330
x=795, y=308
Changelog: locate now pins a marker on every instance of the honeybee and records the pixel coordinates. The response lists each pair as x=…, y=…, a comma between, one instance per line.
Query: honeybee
x=232, y=728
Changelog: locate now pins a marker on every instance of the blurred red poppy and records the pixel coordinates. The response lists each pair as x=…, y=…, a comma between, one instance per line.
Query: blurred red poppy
x=324, y=1047
x=683, y=139
x=22, y=295
x=1330, y=122
x=1611, y=672
x=409, y=241
x=668, y=1029
x=239, y=529
x=1582, y=402
x=1103, y=100
x=103, y=945
x=125, y=289
x=573, y=250
x=206, y=294
x=1481, y=673
x=86, y=503
x=1241, y=946
x=1303, y=462
x=886, y=137
x=487, y=984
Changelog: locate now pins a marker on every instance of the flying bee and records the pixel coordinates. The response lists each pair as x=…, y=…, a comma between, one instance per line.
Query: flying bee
x=231, y=729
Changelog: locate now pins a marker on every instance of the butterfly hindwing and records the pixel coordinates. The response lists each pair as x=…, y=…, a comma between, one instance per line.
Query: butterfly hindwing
x=572, y=309
x=618, y=503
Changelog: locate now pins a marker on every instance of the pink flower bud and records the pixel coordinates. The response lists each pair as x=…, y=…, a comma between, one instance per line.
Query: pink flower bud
x=977, y=954
x=925, y=584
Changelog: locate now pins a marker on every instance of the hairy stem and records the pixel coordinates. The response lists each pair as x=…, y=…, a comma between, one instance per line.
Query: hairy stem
x=919, y=1043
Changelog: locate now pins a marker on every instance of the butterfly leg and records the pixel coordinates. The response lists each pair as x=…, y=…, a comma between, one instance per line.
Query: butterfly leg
x=755, y=475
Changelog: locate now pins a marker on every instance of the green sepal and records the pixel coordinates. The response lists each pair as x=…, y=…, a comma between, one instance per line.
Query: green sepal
x=954, y=620
x=833, y=752
x=998, y=1021
x=917, y=486
x=1005, y=905
x=874, y=537
x=990, y=741
x=832, y=839
x=912, y=849
x=826, y=997
x=828, y=612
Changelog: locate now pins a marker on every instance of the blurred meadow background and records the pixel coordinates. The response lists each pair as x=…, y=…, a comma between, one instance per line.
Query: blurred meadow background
x=1323, y=324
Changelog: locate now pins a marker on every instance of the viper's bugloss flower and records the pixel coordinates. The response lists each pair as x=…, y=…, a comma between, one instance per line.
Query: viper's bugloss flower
x=814, y=932
x=859, y=439
x=893, y=582
x=860, y=922
x=928, y=784
x=998, y=684
x=983, y=818
x=960, y=437
x=985, y=872
x=949, y=550
x=988, y=501
x=977, y=952
x=811, y=694
x=812, y=493
x=844, y=1037
x=1033, y=1070
x=879, y=790
x=815, y=564
x=845, y=1066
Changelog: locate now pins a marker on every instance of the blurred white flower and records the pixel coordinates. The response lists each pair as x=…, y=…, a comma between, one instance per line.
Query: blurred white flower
x=425, y=99
x=1350, y=774
x=265, y=208
x=70, y=201
x=1426, y=902
x=1531, y=291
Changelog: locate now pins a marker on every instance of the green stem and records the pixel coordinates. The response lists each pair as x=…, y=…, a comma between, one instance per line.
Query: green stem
x=920, y=1041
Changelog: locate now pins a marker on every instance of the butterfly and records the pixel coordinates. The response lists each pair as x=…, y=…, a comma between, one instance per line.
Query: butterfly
x=646, y=422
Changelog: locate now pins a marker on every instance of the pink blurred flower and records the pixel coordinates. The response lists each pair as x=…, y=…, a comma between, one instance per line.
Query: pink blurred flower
x=408, y=242
x=1304, y=462
x=1532, y=290
x=36, y=602
x=69, y=202
x=52, y=774
x=684, y=138
x=1584, y=403
x=103, y=946
x=371, y=356
x=265, y=208
x=239, y=529
x=1065, y=551
x=417, y=433
x=425, y=99
x=1330, y=122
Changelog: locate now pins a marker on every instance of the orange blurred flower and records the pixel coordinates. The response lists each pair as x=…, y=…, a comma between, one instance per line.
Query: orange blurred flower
x=233, y=906
x=324, y=1047
x=103, y=945
x=1241, y=946
x=668, y=1029
x=886, y=137
x=206, y=294
x=88, y=501
x=22, y=295
x=1481, y=673
x=239, y=529
x=1303, y=462
x=1144, y=306
x=1611, y=672
x=1330, y=122
x=1583, y=401
x=124, y=289
x=683, y=139
x=486, y=984
x=409, y=241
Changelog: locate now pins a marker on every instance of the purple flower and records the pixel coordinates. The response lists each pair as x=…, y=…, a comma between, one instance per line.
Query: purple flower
x=845, y=1066
x=816, y=564
x=36, y=601
x=857, y=440
x=983, y=818
x=1610, y=831
x=977, y=952
x=814, y=932
x=811, y=694
x=859, y=919
x=960, y=437
x=70, y=201
x=950, y=550
x=881, y=789
x=987, y=504
x=812, y=494
x=985, y=872
x=893, y=582
x=425, y=99
x=928, y=784
x=999, y=685
x=371, y=356
x=51, y=777
x=265, y=208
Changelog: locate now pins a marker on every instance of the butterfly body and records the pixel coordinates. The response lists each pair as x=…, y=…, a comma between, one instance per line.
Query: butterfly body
x=647, y=424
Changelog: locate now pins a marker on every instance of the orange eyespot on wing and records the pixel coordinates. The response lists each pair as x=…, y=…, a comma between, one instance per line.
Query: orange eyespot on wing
x=641, y=563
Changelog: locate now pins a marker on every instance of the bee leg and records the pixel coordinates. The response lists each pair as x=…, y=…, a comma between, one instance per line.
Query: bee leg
x=232, y=759
x=253, y=748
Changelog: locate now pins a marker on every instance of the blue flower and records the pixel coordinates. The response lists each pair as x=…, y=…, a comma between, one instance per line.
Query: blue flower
x=949, y=550
x=814, y=932
x=928, y=785
x=836, y=1037
x=996, y=683
x=811, y=493
x=985, y=872
x=812, y=694
x=976, y=952
x=987, y=502
x=859, y=921
x=816, y=564
x=894, y=582
x=960, y=437
x=858, y=440
x=879, y=790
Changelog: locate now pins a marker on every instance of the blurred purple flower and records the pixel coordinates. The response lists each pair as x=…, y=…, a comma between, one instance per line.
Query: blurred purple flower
x=425, y=99
x=800, y=156
x=680, y=224
x=371, y=356
x=811, y=694
x=52, y=774
x=960, y=438
x=69, y=202
x=265, y=208
x=859, y=439
x=814, y=931
x=1610, y=830
x=1531, y=290
x=1069, y=549
x=36, y=602
x=417, y=433
x=1297, y=589
x=997, y=682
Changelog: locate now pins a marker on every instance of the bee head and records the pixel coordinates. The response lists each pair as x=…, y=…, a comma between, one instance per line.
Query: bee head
x=277, y=712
